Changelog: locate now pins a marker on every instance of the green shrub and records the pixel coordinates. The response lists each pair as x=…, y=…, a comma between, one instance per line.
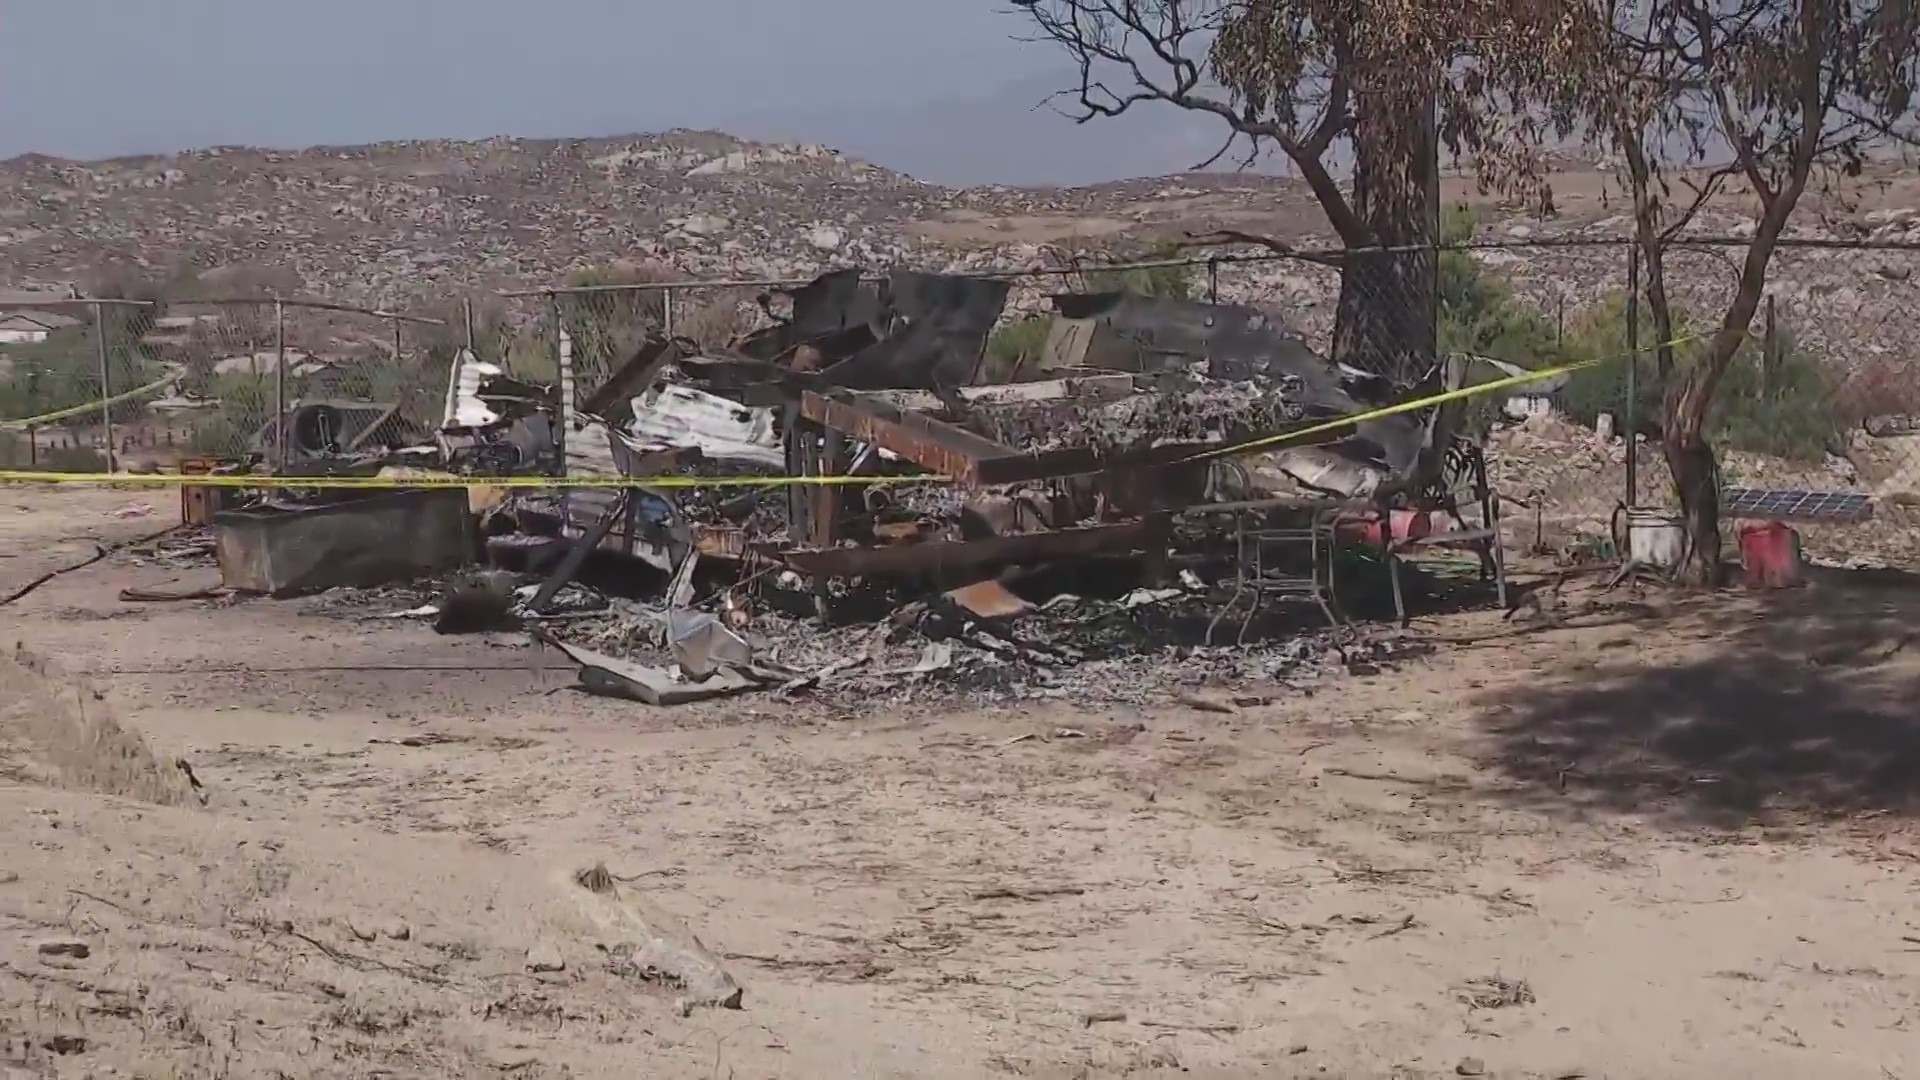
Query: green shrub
x=1600, y=332
x=1479, y=315
x=1015, y=347
x=1779, y=404
x=1159, y=282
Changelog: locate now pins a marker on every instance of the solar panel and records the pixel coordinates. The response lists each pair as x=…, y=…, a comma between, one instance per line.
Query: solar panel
x=1768, y=504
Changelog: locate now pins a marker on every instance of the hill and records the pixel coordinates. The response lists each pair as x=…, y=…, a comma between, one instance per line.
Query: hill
x=403, y=222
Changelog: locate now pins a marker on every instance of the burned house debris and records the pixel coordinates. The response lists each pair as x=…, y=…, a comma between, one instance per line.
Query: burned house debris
x=1168, y=473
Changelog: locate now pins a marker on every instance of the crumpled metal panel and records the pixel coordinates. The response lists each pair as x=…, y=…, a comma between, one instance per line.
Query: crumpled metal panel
x=946, y=318
x=933, y=326
x=464, y=408
x=1239, y=343
x=680, y=416
x=831, y=302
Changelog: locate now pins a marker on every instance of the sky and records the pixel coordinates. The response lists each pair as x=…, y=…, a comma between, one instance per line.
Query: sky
x=941, y=89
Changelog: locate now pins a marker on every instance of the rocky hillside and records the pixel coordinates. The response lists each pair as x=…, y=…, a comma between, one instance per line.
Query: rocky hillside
x=403, y=222
x=402, y=218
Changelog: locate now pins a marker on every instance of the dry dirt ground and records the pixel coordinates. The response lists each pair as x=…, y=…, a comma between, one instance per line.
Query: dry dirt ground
x=1655, y=838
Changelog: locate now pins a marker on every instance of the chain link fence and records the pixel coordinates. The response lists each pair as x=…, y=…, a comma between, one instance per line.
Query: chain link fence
x=68, y=377
x=605, y=324
x=279, y=381
x=1556, y=448
x=1823, y=396
x=124, y=385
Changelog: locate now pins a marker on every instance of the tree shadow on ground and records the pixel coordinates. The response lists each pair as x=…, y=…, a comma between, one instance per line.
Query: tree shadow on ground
x=1730, y=709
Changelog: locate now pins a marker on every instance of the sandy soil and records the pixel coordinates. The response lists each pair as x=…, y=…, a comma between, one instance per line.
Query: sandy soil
x=1646, y=837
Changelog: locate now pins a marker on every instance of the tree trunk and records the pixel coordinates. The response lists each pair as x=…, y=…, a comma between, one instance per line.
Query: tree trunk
x=1695, y=479
x=1660, y=310
x=1384, y=321
x=1647, y=226
x=1687, y=402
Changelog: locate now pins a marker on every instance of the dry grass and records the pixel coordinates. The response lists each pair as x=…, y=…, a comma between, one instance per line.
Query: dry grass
x=58, y=730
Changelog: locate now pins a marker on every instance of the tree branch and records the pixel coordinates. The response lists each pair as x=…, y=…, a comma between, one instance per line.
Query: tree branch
x=1114, y=33
x=1702, y=193
x=1271, y=243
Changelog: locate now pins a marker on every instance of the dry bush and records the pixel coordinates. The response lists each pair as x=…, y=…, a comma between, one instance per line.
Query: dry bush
x=1881, y=386
x=717, y=318
x=57, y=730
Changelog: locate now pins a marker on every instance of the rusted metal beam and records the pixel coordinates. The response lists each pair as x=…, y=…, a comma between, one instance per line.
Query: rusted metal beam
x=932, y=445
x=633, y=377
x=976, y=461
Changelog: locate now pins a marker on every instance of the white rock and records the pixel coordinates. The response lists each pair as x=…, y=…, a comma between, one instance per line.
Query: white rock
x=703, y=224
x=544, y=958
x=825, y=238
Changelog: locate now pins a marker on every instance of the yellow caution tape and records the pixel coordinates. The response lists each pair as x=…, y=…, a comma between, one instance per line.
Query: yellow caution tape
x=1415, y=405
x=419, y=480
x=1428, y=402
x=416, y=480
x=79, y=410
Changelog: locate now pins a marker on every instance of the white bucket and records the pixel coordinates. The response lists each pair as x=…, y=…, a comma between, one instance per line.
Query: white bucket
x=1656, y=538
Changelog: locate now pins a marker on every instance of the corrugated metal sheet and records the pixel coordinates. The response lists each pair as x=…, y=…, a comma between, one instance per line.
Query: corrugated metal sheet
x=464, y=407
x=668, y=417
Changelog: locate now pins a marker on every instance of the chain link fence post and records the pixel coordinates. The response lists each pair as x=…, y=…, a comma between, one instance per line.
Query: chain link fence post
x=106, y=380
x=279, y=385
x=1630, y=421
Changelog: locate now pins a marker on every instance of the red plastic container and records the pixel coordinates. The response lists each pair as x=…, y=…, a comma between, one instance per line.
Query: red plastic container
x=1400, y=525
x=1770, y=556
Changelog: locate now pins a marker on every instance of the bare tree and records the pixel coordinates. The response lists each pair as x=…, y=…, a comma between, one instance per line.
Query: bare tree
x=1389, y=82
x=1774, y=93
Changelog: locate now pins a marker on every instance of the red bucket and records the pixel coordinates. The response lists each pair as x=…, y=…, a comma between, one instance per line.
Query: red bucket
x=1400, y=525
x=1770, y=556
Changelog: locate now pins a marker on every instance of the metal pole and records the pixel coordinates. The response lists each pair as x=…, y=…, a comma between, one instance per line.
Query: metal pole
x=106, y=380
x=1430, y=120
x=33, y=446
x=1633, y=375
x=279, y=386
x=666, y=312
x=1213, y=281
x=466, y=313
x=563, y=372
x=1769, y=353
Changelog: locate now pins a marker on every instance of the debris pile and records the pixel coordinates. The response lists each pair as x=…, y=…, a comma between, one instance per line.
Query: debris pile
x=1194, y=411
x=836, y=502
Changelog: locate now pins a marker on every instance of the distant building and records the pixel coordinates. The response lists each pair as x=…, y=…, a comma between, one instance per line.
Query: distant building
x=316, y=378
x=263, y=362
x=32, y=327
x=178, y=330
